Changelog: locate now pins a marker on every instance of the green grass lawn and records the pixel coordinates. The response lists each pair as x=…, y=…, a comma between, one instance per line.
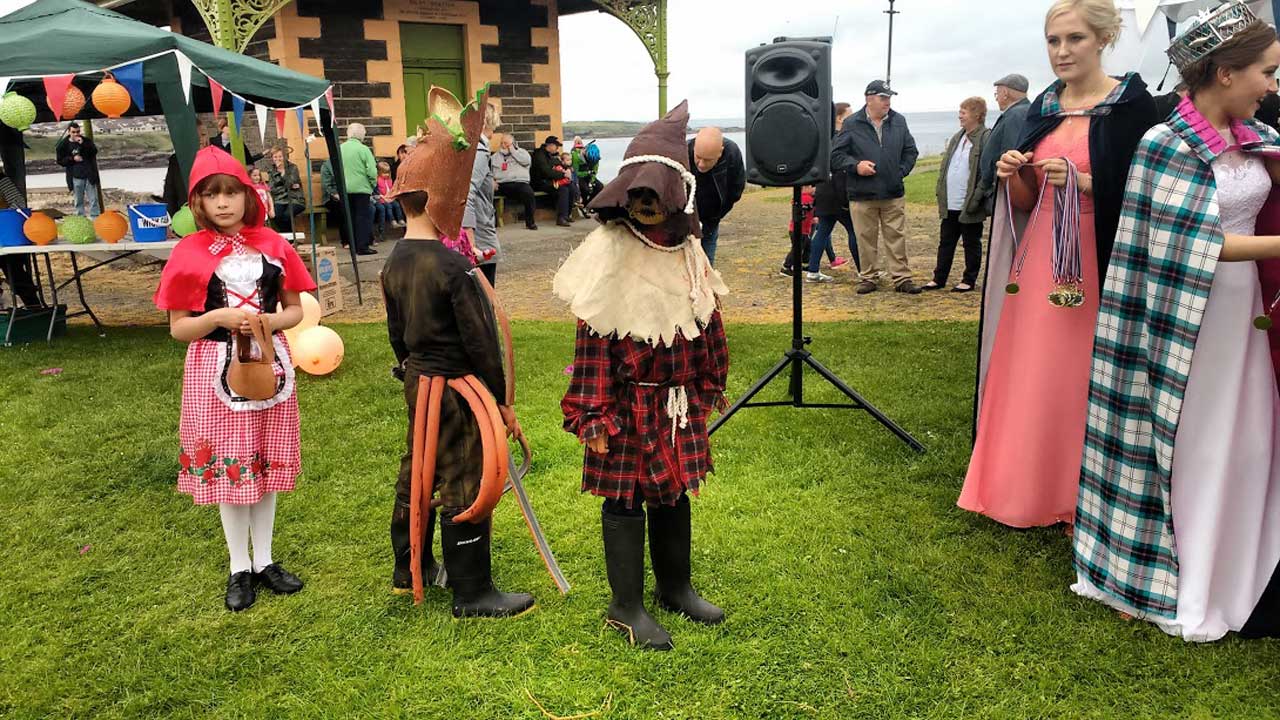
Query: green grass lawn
x=854, y=587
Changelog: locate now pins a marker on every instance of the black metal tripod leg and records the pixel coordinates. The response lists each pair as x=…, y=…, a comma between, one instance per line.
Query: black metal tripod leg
x=861, y=401
x=755, y=389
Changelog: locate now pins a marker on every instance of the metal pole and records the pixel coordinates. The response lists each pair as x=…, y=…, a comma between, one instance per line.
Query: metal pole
x=888, y=71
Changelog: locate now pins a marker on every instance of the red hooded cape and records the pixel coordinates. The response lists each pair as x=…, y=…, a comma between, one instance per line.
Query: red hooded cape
x=184, y=284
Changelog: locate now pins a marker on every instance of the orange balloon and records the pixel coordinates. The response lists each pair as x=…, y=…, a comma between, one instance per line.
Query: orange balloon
x=73, y=103
x=111, y=226
x=40, y=229
x=111, y=98
x=319, y=350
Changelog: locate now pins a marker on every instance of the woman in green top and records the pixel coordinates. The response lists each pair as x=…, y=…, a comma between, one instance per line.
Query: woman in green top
x=286, y=189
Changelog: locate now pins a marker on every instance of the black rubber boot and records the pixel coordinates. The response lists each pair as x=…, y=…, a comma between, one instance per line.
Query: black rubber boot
x=401, y=578
x=466, y=559
x=670, y=537
x=624, y=560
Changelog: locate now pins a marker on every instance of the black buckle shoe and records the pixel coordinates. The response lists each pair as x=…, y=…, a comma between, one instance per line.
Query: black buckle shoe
x=240, y=592
x=278, y=580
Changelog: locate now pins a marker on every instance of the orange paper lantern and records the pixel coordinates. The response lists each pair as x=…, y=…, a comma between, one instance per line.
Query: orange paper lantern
x=73, y=103
x=111, y=226
x=40, y=229
x=111, y=98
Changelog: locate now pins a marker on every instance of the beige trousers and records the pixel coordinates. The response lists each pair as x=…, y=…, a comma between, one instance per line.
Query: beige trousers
x=878, y=222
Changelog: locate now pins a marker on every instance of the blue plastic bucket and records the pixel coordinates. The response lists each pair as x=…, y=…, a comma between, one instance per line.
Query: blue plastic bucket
x=149, y=222
x=11, y=227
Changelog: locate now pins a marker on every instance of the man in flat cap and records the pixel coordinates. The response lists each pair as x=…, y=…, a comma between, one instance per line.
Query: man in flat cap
x=1011, y=96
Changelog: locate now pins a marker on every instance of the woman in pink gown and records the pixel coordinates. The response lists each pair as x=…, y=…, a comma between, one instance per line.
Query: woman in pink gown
x=1057, y=211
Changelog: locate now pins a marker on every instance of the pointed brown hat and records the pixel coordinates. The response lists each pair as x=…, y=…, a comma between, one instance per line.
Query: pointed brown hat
x=440, y=164
x=651, y=161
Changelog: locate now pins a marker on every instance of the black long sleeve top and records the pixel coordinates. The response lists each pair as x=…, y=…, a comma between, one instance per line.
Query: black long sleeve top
x=438, y=316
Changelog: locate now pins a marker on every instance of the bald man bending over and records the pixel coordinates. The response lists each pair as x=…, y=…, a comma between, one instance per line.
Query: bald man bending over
x=721, y=175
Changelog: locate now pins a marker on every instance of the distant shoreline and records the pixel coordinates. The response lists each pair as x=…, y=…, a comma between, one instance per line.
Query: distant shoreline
x=614, y=129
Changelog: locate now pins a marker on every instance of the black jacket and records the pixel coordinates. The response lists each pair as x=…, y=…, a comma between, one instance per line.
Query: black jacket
x=542, y=171
x=894, y=155
x=1113, y=138
x=831, y=198
x=720, y=188
x=85, y=170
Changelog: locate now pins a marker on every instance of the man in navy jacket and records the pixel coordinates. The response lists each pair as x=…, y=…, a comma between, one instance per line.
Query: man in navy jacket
x=876, y=151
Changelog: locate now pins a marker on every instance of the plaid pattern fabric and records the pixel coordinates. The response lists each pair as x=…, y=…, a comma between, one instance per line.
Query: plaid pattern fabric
x=1153, y=300
x=606, y=396
x=1052, y=105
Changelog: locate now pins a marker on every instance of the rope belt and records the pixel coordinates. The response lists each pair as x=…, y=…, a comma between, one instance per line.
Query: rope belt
x=677, y=406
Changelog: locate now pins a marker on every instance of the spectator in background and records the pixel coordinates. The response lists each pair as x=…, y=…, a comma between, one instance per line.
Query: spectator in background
x=333, y=201
x=286, y=189
x=831, y=206
x=586, y=168
x=877, y=153
x=1011, y=97
x=222, y=141
x=263, y=189
x=402, y=152
x=961, y=206
x=79, y=156
x=545, y=176
x=480, y=219
x=361, y=177
x=384, y=210
x=721, y=175
x=511, y=171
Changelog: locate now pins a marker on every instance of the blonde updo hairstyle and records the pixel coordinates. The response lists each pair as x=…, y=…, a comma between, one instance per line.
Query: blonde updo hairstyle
x=1100, y=15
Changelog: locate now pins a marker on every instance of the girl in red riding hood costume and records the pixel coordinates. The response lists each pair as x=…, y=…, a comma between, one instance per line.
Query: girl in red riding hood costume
x=236, y=452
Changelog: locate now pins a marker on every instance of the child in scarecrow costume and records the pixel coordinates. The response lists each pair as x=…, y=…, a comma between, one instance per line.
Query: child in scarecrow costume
x=442, y=327
x=649, y=366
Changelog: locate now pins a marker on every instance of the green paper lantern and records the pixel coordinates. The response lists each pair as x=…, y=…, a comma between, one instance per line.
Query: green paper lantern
x=184, y=223
x=77, y=229
x=17, y=111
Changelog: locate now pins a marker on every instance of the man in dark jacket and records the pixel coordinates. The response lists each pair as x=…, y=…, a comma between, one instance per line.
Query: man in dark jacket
x=877, y=152
x=721, y=175
x=1011, y=96
x=544, y=177
x=79, y=156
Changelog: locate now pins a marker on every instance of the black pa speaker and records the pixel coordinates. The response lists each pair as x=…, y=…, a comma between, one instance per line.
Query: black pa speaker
x=789, y=112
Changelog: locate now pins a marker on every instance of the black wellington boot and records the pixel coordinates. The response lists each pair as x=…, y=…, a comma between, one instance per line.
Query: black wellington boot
x=624, y=560
x=466, y=559
x=401, y=578
x=669, y=541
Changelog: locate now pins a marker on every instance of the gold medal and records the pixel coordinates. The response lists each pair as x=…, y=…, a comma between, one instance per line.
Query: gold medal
x=1012, y=288
x=1263, y=322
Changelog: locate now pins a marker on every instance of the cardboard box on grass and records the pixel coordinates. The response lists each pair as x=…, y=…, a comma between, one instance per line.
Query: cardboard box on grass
x=325, y=272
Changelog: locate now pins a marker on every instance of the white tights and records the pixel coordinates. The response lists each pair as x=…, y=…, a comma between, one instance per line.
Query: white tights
x=238, y=522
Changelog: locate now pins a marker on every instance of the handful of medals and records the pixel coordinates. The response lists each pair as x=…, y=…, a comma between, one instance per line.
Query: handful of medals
x=1068, y=273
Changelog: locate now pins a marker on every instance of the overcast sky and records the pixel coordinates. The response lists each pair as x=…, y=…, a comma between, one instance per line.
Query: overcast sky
x=943, y=52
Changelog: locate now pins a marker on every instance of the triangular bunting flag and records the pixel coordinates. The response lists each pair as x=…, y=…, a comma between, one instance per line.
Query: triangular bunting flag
x=328, y=96
x=184, y=74
x=55, y=92
x=237, y=109
x=302, y=122
x=215, y=90
x=4, y=85
x=280, y=123
x=261, y=111
x=130, y=76
x=315, y=110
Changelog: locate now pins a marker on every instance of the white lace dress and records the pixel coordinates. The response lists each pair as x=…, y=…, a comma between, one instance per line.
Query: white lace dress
x=1226, y=463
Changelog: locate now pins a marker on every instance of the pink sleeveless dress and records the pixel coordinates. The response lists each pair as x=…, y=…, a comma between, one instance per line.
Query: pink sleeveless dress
x=1025, y=469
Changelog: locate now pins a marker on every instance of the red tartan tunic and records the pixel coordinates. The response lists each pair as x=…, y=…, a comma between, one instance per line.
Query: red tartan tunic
x=606, y=395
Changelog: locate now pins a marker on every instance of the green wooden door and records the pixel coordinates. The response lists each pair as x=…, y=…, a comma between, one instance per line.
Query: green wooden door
x=432, y=55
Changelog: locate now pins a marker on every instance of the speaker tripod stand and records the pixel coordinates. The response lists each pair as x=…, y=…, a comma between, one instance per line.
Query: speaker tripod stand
x=798, y=357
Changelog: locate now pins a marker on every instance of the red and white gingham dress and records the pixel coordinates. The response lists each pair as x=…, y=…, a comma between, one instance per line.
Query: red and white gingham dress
x=232, y=451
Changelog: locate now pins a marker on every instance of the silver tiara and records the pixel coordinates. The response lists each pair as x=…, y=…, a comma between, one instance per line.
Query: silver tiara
x=1210, y=30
